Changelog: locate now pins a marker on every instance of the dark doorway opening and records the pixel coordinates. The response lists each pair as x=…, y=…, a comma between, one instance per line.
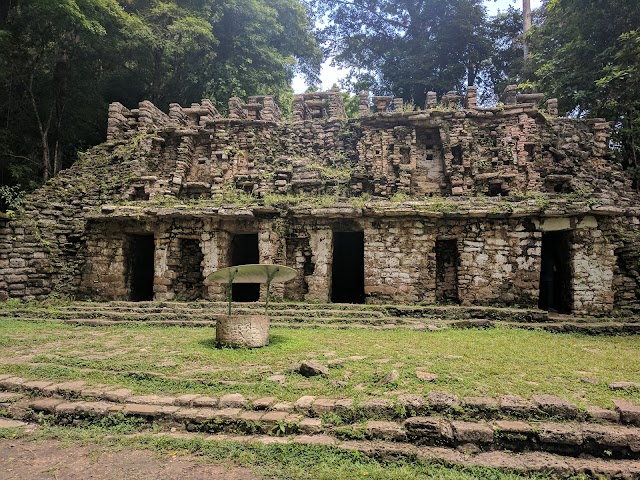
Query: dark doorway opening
x=347, y=280
x=447, y=271
x=244, y=250
x=139, y=267
x=555, y=272
x=190, y=281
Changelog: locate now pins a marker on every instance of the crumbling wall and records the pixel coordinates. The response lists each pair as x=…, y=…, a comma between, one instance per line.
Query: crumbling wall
x=192, y=175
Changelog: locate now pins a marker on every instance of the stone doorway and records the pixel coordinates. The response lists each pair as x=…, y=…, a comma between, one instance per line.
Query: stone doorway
x=347, y=281
x=447, y=271
x=244, y=250
x=139, y=267
x=555, y=272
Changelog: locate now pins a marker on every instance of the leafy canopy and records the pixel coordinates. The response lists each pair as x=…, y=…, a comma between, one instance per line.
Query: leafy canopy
x=406, y=47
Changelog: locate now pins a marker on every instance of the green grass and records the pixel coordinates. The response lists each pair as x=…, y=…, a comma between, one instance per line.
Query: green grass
x=490, y=362
x=276, y=462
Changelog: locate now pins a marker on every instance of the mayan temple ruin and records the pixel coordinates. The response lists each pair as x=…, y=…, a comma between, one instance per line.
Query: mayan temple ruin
x=451, y=203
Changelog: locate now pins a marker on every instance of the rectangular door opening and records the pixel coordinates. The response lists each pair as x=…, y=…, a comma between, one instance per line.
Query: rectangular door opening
x=190, y=281
x=447, y=271
x=555, y=272
x=347, y=280
x=139, y=267
x=244, y=250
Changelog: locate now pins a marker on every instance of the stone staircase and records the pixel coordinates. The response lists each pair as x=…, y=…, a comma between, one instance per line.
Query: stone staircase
x=547, y=434
x=318, y=315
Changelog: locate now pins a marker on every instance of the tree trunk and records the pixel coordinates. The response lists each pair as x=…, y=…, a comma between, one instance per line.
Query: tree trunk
x=526, y=16
x=46, y=159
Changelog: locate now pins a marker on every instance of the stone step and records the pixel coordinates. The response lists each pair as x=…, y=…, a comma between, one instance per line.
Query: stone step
x=184, y=314
x=508, y=407
x=209, y=311
x=566, y=439
x=221, y=310
x=587, y=328
x=523, y=463
x=388, y=323
x=451, y=312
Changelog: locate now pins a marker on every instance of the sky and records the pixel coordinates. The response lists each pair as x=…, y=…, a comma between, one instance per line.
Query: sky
x=330, y=75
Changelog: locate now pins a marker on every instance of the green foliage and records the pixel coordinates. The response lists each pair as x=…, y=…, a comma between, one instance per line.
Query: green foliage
x=406, y=47
x=62, y=62
x=587, y=54
x=505, y=65
x=351, y=104
x=11, y=198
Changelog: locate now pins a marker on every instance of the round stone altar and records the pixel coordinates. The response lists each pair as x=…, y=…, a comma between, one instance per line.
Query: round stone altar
x=250, y=331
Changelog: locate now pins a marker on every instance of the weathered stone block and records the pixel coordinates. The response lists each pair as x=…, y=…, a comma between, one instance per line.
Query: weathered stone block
x=310, y=425
x=441, y=401
x=466, y=433
x=555, y=406
x=560, y=434
x=629, y=412
x=233, y=400
x=386, y=431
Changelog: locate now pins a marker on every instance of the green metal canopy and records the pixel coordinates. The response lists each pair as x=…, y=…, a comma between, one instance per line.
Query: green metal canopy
x=252, y=273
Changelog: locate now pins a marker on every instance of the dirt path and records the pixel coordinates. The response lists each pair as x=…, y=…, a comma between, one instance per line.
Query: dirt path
x=49, y=460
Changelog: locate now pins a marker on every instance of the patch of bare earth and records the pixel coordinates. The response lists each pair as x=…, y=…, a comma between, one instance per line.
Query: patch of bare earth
x=49, y=460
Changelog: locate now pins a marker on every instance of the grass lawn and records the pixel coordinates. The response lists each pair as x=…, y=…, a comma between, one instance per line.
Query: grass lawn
x=490, y=362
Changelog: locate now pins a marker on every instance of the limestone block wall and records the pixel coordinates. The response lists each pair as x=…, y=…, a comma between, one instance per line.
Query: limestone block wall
x=499, y=263
x=593, y=263
x=498, y=260
x=104, y=275
x=399, y=261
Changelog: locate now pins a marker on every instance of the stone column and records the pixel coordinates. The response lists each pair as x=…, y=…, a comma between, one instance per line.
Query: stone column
x=270, y=249
x=162, y=274
x=210, y=245
x=593, y=264
x=321, y=242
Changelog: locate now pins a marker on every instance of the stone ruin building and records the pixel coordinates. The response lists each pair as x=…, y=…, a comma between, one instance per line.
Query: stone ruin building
x=451, y=203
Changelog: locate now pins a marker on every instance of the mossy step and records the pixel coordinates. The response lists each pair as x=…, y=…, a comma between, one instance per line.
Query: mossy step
x=223, y=310
x=91, y=311
x=539, y=408
x=588, y=328
x=608, y=328
x=526, y=463
x=387, y=309
x=569, y=439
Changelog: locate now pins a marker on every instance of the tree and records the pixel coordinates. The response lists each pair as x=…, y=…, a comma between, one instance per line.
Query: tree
x=586, y=53
x=262, y=44
x=406, y=47
x=506, y=64
x=53, y=62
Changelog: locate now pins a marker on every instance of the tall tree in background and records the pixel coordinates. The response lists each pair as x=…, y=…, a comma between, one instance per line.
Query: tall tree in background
x=55, y=56
x=262, y=44
x=406, y=47
x=587, y=54
x=506, y=64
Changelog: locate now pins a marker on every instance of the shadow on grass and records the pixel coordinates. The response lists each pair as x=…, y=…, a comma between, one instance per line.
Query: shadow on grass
x=274, y=340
